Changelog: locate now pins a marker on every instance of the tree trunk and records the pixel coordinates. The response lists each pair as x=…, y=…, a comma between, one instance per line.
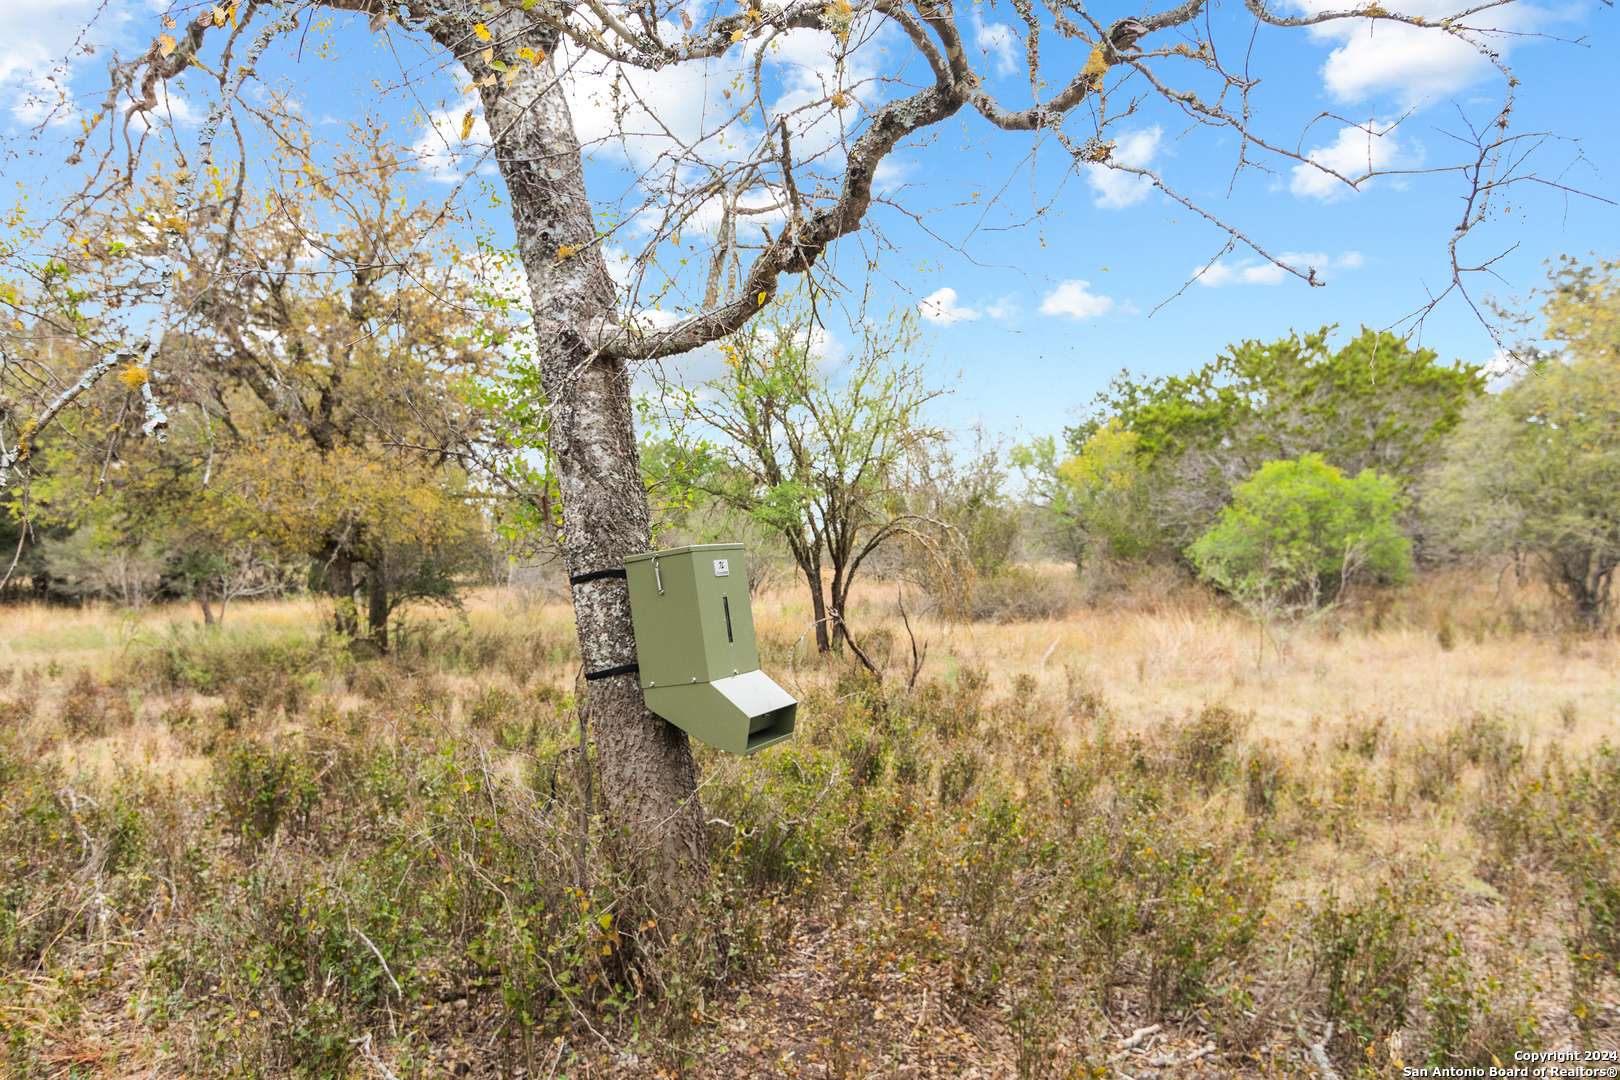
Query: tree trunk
x=818, y=601
x=377, y=602
x=207, y=608
x=340, y=582
x=648, y=776
x=840, y=594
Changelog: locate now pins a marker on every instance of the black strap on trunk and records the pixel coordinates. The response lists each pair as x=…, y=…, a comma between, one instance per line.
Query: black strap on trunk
x=597, y=575
x=608, y=673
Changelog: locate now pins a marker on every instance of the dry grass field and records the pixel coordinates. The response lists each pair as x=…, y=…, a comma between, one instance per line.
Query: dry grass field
x=1136, y=840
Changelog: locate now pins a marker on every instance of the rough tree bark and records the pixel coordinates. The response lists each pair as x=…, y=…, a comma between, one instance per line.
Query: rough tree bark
x=648, y=776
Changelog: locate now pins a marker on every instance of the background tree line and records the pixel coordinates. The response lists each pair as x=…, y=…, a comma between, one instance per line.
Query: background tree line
x=344, y=433
x=1283, y=472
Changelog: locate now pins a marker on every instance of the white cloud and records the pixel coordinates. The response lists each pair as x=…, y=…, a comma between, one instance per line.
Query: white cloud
x=998, y=42
x=1073, y=299
x=1259, y=272
x=890, y=175
x=170, y=106
x=940, y=307
x=1503, y=369
x=1414, y=64
x=1003, y=309
x=1115, y=189
x=441, y=151
x=806, y=63
x=637, y=115
x=1354, y=152
x=827, y=349
x=44, y=40
x=1221, y=274
x=620, y=264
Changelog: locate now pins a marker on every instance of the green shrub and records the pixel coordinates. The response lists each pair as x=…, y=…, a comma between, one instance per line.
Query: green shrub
x=1367, y=954
x=1298, y=532
x=90, y=709
x=1473, y=1013
x=1203, y=745
x=261, y=787
x=67, y=862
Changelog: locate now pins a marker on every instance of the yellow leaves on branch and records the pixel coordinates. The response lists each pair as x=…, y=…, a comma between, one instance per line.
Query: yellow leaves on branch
x=837, y=16
x=1096, y=64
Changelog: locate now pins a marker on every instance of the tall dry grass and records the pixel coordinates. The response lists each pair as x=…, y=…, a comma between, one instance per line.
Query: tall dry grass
x=1386, y=838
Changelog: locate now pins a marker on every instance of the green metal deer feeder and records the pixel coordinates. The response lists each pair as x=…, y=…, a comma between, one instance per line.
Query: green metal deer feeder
x=699, y=661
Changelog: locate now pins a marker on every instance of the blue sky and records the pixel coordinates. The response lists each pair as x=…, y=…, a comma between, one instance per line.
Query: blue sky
x=1026, y=315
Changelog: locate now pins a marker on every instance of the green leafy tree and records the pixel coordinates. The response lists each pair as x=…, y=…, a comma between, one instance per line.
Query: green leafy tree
x=1535, y=470
x=814, y=451
x=1375, y=403
x=1298, y=532
x=1097, y=501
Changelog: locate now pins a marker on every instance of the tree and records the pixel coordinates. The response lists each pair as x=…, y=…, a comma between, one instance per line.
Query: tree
x=315, y=395
x=335, y=395
x=1582, y=307
x=1097, y=501
x=815, y=452
x=413, y=526
x=99, y=561
x=1298, y=532
x=1535, y=470
x=1375, y=403
x=522, y=59
x=970, y=528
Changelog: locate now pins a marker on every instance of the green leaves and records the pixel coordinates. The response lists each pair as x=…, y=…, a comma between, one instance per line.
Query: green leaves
x=1297, y=532
x=1374, y=403
x=1536, y=470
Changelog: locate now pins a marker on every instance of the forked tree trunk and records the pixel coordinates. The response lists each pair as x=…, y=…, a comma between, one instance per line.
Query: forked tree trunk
x=840, y=597
x=648, y=777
